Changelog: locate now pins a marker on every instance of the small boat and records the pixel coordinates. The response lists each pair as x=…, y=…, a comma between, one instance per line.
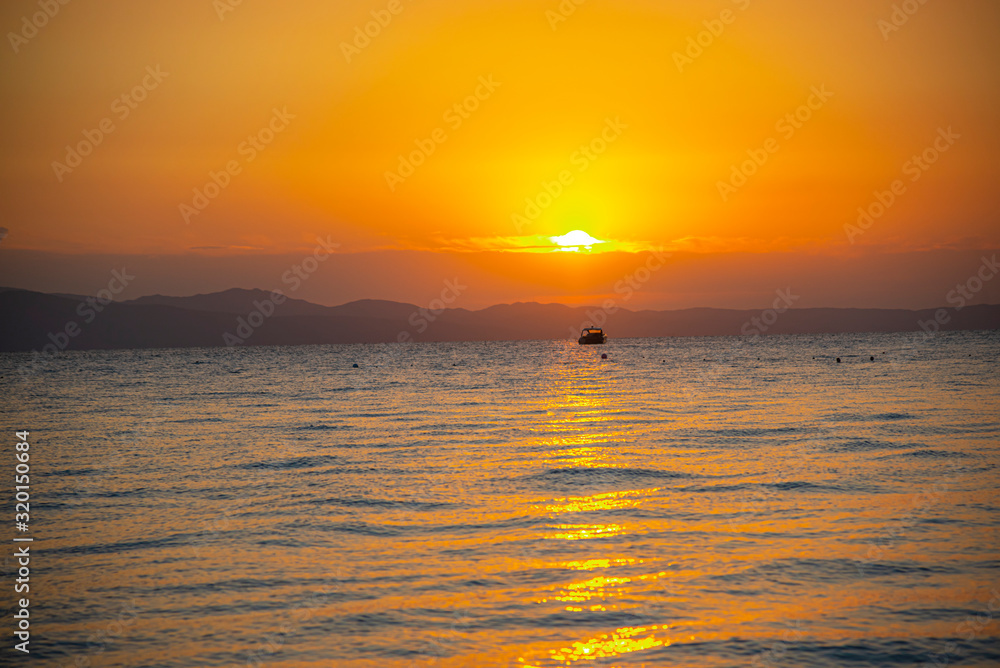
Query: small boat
x=592, y=335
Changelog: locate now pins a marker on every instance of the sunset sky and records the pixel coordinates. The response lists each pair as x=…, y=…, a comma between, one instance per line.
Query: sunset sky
x=464, y=135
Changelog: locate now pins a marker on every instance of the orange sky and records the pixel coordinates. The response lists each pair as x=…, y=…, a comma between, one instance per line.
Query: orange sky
x=663, y=131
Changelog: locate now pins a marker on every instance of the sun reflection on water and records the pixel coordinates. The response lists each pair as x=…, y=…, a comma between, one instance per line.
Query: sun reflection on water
x=605, y=501
x=592, y=564
x=624, y=640
x=585, y=531
x=607, y=588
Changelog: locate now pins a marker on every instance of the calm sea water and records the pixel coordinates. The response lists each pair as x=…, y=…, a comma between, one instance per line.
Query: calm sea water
x=686, y=502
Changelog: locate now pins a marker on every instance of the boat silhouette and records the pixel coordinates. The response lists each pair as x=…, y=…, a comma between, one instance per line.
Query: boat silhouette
x=592, y=335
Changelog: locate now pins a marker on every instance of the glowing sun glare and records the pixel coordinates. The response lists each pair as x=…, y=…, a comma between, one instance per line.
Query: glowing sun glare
x=573, y=240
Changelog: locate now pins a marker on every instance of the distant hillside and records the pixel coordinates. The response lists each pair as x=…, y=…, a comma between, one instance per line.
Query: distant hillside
x=234, y=300
x=32, y=320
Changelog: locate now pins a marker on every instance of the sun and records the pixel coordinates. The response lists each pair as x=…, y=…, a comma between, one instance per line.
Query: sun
x=573, y=241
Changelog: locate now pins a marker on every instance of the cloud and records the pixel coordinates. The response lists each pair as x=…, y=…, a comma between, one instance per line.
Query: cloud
x=532, y=244
x=696, y=244
x=214, y=248
x=690, y=244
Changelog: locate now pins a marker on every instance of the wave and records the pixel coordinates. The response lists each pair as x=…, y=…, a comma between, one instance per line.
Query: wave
x=784, y=486
x=883, y=417
x=928, y=454
x=861, y=445
x=584, y=475
x=315, y=461
x=362, y=502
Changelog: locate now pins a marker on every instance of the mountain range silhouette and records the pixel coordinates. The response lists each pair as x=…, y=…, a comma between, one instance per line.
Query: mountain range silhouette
x=39, y=321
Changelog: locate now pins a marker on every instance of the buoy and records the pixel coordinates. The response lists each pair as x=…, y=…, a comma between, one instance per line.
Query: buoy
x=604, y=356
x=872, y=358
x=356, y=366
x=838, y=360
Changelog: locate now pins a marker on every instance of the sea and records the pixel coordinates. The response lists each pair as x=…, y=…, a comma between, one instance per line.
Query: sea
x=779, y=501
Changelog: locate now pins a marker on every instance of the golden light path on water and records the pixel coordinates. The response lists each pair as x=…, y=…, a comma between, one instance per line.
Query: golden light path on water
x=680, y=503
x=589, y=411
